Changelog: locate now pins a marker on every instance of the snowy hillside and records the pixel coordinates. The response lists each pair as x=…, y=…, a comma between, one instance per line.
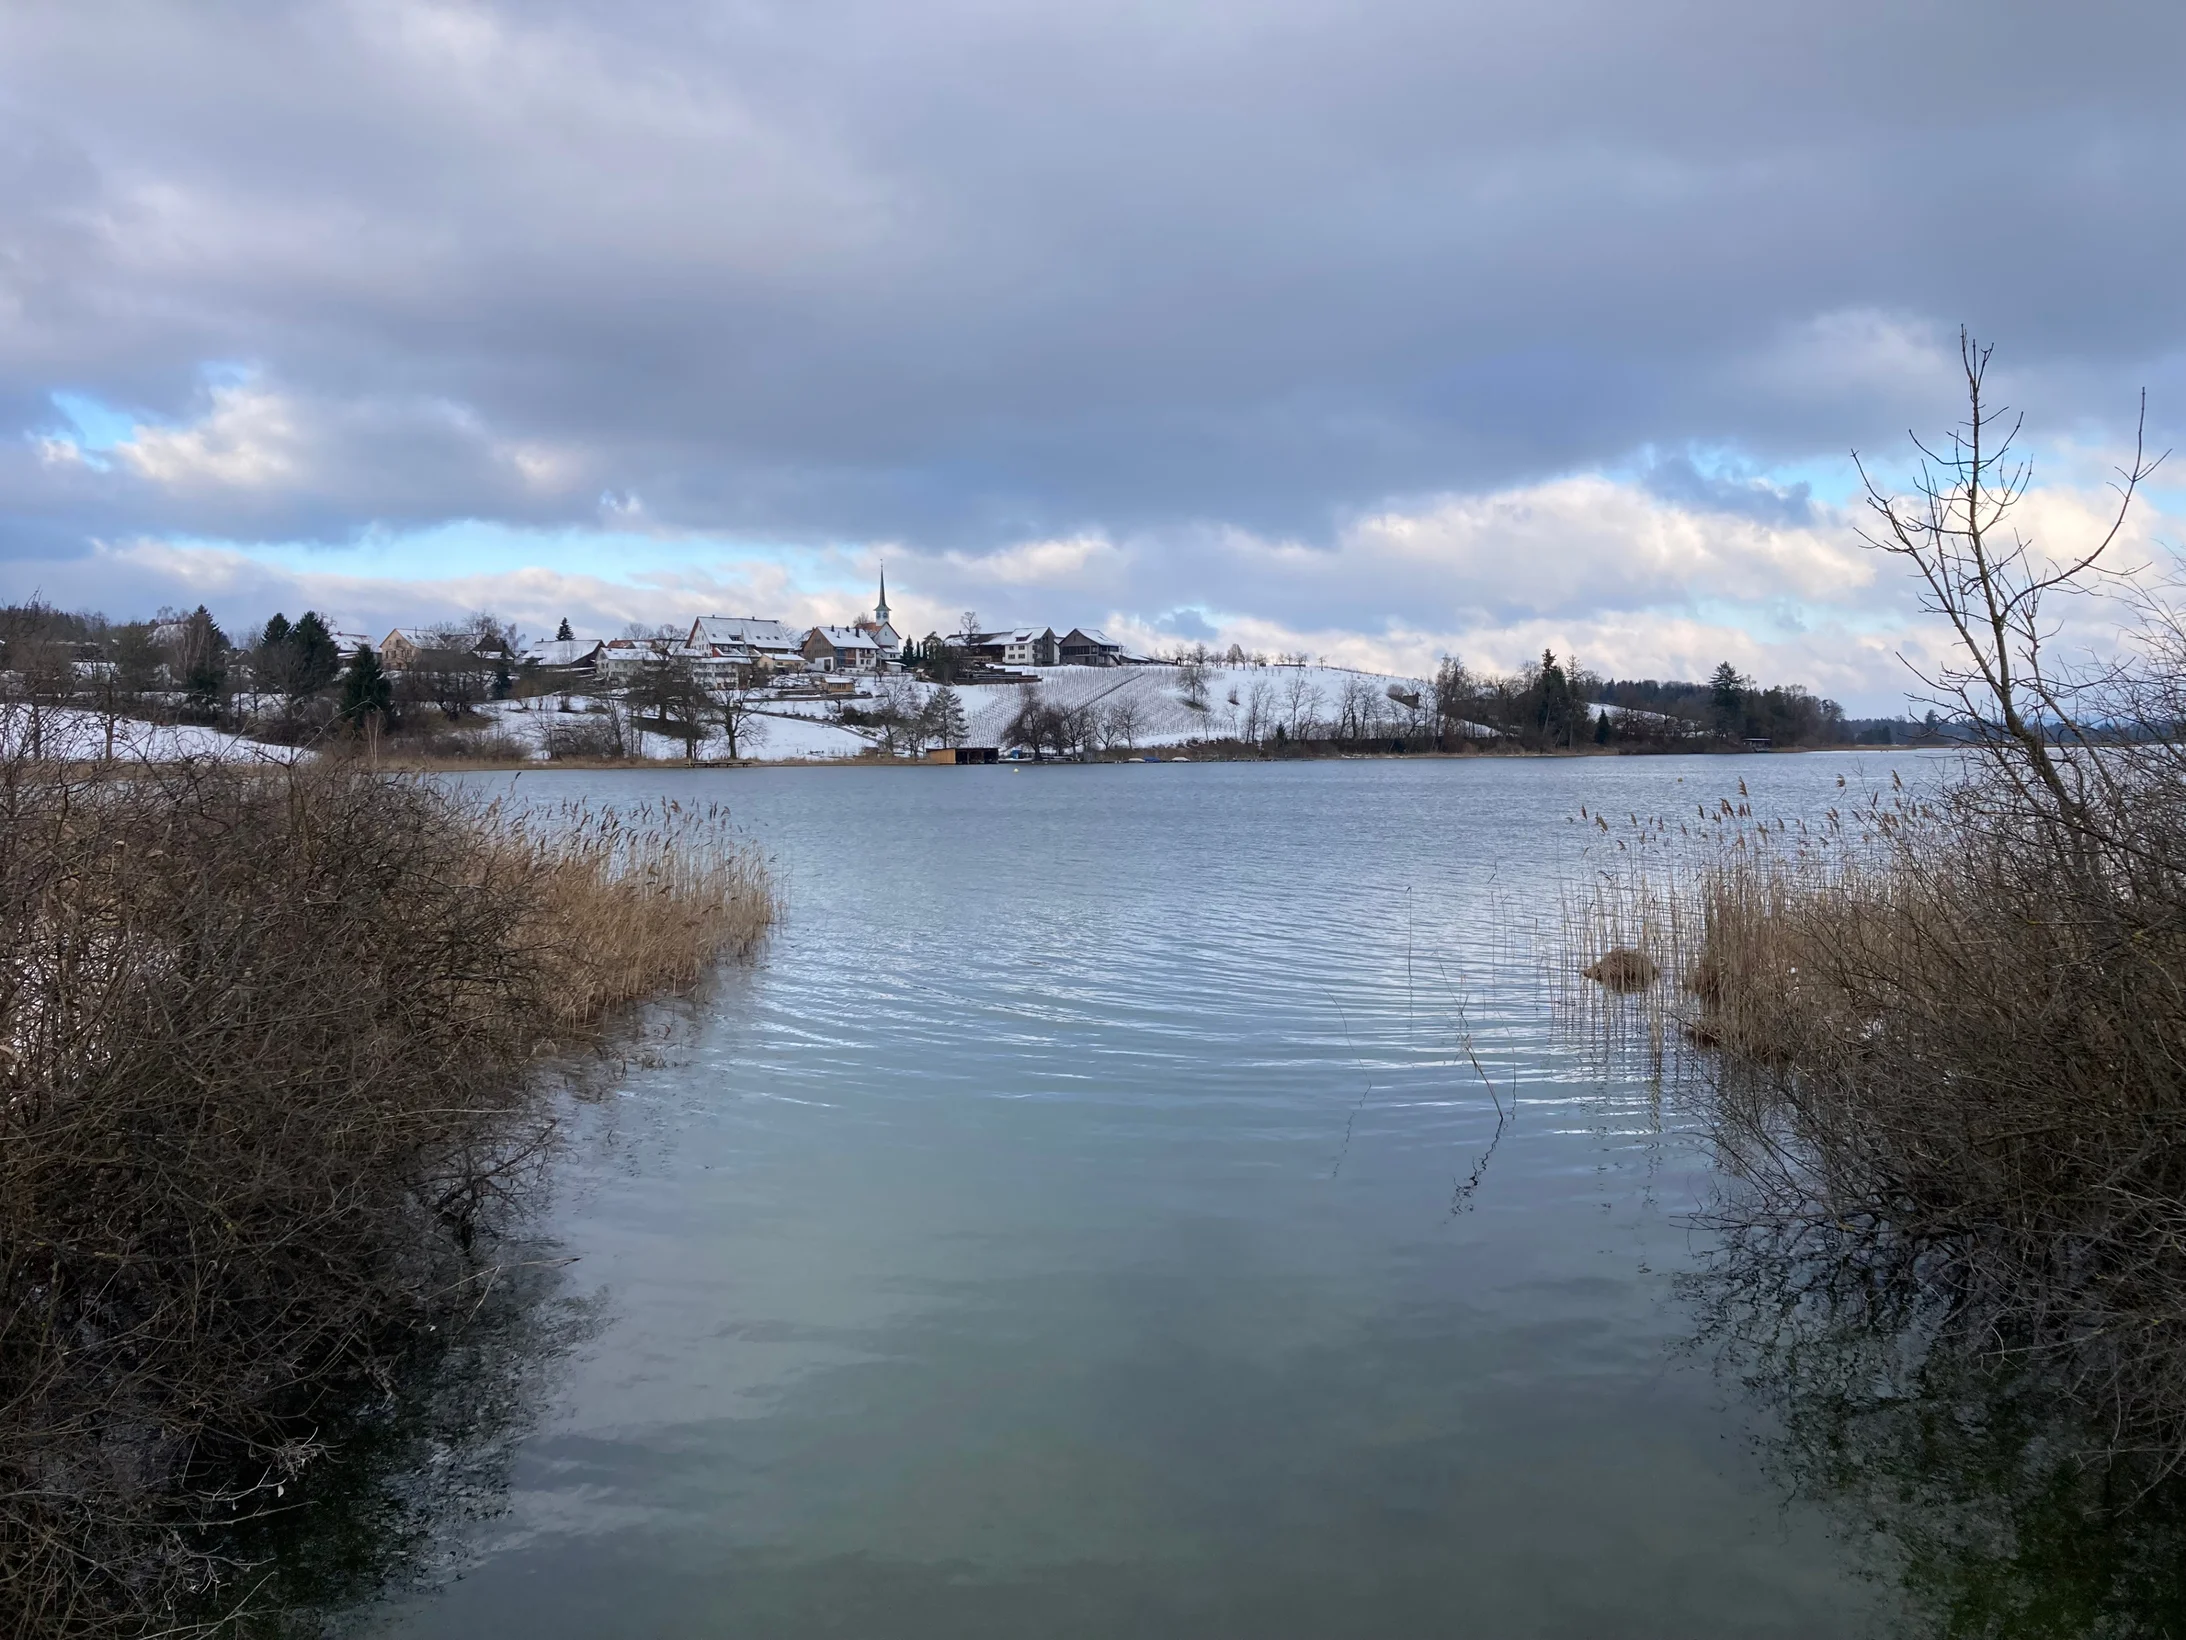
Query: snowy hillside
x=1240, y=701
x=1132, y=706
x=791, y=730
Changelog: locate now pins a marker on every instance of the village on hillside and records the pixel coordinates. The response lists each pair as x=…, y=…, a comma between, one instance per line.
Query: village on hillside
x=745, y=688
x=740, y=687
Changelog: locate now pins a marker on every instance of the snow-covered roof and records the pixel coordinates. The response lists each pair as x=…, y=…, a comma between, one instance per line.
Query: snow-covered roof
x=1014, y=635
x=562, y=651
x=846, y=637
x=750, y=631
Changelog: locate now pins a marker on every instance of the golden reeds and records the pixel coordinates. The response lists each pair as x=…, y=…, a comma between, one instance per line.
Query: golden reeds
x=275, y=1072
x=1957, y=1026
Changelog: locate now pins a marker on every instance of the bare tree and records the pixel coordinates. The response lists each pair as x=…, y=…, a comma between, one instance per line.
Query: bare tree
x=1984, y=577
x=900, y=715
x=680, y=702
x=1192, y=677
x=1356, y=706
x=1301, y=700
x=742, y=724
x=1259, y=710
x=1123, y=720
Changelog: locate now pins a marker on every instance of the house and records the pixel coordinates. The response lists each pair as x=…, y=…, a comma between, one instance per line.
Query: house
x=576, y=655
x=842, y=649
x=1018, y=646
x=621, y=659
x=438, y=661
x=1088, y=646
x=400, y=649
x=736, y=648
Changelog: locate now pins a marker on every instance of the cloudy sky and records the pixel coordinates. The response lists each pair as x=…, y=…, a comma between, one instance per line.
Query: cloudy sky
x=1371, y=328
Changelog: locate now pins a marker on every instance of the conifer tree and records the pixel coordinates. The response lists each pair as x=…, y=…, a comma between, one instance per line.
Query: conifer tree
x=948, y=725
x=1729, y=690
x=365, y=689
x=318, y=657
x=562, y=633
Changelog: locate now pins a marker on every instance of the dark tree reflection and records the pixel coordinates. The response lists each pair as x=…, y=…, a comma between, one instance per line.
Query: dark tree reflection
x=388, y=1510
x=2000, y=1510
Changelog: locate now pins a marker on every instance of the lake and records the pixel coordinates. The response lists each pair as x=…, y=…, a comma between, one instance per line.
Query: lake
x=1087, y=1219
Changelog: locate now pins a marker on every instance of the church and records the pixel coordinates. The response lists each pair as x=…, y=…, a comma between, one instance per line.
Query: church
x=883, y=635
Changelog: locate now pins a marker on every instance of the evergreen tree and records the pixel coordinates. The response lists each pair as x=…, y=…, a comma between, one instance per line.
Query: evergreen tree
x=365, y=689
x=1727, y=691
x=947, y=724
x=562, y=634
x=1558, y=710
x=318, y=657
x=277, y=631
x=202, y=649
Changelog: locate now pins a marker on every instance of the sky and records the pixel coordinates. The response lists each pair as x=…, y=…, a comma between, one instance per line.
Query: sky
x=1375, y=330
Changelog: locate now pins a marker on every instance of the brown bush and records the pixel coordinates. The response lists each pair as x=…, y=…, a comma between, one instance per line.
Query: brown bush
x=270, y=1080
x=1953, y=1026
x=1971, y=1035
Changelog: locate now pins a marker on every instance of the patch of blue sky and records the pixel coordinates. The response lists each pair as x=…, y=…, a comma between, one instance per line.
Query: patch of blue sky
x=466, y=547
x=95, y=426
x=1830, y=481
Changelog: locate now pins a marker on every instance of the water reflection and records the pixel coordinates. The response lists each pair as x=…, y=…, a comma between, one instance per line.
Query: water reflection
x=414, y=1470
x=1055, y=1236
x=1995, y=1508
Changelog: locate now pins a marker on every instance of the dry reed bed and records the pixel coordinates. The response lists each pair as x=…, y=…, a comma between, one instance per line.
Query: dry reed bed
x=1950, y=1035
x=276, y=1065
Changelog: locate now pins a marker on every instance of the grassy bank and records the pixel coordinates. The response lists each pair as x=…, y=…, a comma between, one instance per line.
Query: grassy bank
x=276, y=1051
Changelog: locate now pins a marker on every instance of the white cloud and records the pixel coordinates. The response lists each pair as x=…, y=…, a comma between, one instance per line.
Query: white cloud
x=248, y=439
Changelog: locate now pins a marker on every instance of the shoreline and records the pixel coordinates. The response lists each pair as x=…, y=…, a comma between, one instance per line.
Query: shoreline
x=601, y=765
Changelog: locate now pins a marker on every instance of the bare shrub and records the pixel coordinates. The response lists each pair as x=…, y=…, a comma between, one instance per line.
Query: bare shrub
x=583, y=737
x=1953, y=1026
x=270, y=1087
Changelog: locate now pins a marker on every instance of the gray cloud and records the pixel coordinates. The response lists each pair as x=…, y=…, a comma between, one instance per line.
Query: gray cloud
x=959, y=276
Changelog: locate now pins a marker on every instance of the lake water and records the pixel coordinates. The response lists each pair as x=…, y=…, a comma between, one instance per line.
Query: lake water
x=1083, y=1222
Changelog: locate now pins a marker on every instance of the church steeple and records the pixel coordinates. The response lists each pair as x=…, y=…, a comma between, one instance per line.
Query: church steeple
x=880, y=610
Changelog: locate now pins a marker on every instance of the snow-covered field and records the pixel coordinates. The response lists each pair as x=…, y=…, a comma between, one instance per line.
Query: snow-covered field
x=1138, y=706
x=1135, y=706
x=789, y=730
x=68, y=733
x=1240, y=700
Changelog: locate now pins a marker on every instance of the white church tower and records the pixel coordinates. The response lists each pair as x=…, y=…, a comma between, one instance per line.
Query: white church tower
x=883, y=635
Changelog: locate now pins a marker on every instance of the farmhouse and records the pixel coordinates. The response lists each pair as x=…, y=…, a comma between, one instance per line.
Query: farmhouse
x=842, y=649
x=745, y=644
x=409, y=648
x=1088, y=646
x=1018, y=646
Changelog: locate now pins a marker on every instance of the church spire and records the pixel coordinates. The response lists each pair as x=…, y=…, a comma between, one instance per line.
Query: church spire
x=880, y=610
